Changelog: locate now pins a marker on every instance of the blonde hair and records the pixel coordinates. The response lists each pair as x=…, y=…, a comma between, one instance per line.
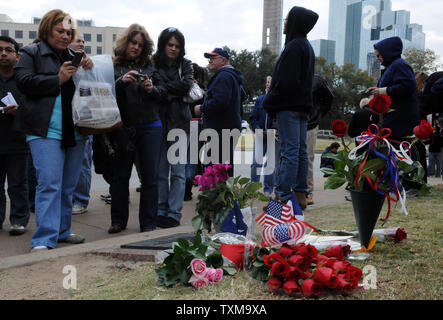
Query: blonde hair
x=123, y=41
x=53, y=17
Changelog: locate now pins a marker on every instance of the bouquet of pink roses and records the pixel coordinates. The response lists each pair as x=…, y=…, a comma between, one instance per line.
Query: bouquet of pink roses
x=202, y=276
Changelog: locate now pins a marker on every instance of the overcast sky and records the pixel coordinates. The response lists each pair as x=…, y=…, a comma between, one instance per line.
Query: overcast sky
x=211, y=23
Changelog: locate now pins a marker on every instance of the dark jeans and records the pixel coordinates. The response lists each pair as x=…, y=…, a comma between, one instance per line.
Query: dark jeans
x=13, y=167
x=148, y=142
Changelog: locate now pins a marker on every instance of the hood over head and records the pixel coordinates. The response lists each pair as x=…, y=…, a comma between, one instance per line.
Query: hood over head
x=300, y=22
x=390, y=49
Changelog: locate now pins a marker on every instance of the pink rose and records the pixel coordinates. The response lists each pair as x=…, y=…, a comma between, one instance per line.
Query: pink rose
x=213, y=275
x=198, y=282
x=198, y=267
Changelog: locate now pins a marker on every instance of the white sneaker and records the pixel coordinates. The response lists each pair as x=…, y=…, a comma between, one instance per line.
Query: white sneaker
x=78, y=209
x=39, y=248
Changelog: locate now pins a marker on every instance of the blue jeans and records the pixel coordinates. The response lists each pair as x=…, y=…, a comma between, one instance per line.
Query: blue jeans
x=269, y=179
x=434, y=161
x=81, y=193
x=13, y=166
x=293, y=173
x=147, y=142
x=57, y=172
x=171, y=184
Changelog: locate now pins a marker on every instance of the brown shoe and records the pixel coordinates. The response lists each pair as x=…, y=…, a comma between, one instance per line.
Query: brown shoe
x=309, y=201
x=301, y=198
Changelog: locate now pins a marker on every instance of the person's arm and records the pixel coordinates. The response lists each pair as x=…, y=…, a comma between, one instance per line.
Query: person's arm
x=181, y=87
x=33, y=84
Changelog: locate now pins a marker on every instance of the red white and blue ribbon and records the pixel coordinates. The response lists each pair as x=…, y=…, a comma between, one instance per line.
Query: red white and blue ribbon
x=390, y=175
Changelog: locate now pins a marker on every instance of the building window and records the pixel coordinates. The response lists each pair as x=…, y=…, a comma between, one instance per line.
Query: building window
x=32, y=34
x=99, y=38
x=18, y=34
x=87, y=37
x=88, y=49
x=5, y=33
x=99, y=50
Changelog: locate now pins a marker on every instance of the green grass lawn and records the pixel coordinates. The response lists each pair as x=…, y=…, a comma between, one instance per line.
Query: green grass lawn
x=410, y=270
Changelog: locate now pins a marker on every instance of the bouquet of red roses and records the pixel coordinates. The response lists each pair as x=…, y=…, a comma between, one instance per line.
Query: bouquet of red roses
x=300, y=269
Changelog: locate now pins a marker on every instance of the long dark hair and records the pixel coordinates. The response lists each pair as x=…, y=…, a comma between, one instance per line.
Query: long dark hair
x=160, y=56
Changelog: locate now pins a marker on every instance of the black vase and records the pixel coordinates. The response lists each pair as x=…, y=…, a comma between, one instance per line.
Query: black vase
x=367, y=207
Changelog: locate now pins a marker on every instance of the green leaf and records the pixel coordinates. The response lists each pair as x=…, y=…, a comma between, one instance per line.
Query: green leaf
x=215, y=260
x=258, y=264
x=230, y=271
x=328, y=171
x=183, y=243
x=197, y=223
x=185, y=276
x=334, y=182
x=243, y=181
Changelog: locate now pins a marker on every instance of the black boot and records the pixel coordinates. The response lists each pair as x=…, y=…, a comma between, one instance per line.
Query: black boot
x=188, y=190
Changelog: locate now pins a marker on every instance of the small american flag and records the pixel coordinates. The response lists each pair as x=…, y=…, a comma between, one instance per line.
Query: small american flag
x=276, y=213
x=282, y=233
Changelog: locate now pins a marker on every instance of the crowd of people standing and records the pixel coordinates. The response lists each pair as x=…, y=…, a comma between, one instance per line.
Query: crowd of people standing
x=151, y=87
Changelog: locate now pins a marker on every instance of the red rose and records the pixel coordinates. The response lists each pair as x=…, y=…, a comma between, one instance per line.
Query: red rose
x=294, y=273
x=340, y=266
x=320, y=259
x=344, y=286
x=307, y=251
x=309, y=288
x=295, y=260
x=279, y=269
x=339, y=128
x=286, y=252
x=267, y=259
x=273, y=284
x=335, y=251
x=424, y=130
x=353, y=274
x=326, y=276
x=291, y=287
x=380, y=103
x=400, y=235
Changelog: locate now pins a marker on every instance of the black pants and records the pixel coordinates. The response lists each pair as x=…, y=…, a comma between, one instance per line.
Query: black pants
x=13, y=167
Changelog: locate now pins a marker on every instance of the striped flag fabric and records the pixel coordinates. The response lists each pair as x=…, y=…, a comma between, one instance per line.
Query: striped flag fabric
x=276, y=213
x=281, y=233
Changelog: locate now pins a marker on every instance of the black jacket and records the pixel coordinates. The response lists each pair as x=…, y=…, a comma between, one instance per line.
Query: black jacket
x=176, y=113
x=36, y=75
x=322, y=98
x=136, y=105
x=291, y=86
x=11, y=142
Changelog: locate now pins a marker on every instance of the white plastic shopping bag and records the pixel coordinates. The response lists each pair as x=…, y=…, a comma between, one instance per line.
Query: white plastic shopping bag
x=94, y=104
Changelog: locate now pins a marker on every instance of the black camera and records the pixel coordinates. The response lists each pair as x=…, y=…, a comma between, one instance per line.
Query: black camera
x=76, y=58
x=141, y=77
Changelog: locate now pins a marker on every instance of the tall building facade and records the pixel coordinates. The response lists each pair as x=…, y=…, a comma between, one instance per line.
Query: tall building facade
x=98, y=40
x=272, y=25
x=356, y=25
x=324, y=48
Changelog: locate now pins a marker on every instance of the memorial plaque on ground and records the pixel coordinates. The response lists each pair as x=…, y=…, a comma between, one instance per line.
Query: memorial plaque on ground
x=162, y=243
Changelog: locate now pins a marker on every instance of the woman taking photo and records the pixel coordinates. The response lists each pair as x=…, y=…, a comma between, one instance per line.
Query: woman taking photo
x=178, y=75
x=44, y=76
x=139, y=94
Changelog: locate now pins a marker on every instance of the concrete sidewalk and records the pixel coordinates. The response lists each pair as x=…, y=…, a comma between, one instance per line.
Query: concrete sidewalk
x=14, y=250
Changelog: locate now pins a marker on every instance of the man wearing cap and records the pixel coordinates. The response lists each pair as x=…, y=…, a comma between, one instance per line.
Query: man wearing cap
x=222, y=104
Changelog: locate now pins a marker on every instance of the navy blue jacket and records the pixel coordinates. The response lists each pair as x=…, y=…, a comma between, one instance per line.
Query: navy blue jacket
x=291, y=86
x=221, y=108
x=259, y=117
x=399, y=79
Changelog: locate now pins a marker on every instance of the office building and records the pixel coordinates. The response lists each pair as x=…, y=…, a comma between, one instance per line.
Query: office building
x=356, y=25
x=272, y=25
x=324, y=48
x=98, y=40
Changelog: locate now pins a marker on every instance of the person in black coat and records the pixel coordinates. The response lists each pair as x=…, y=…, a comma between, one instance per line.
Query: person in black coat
x=178, y=76
x=140, y=92
x=290, y=100
x=13, y=147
